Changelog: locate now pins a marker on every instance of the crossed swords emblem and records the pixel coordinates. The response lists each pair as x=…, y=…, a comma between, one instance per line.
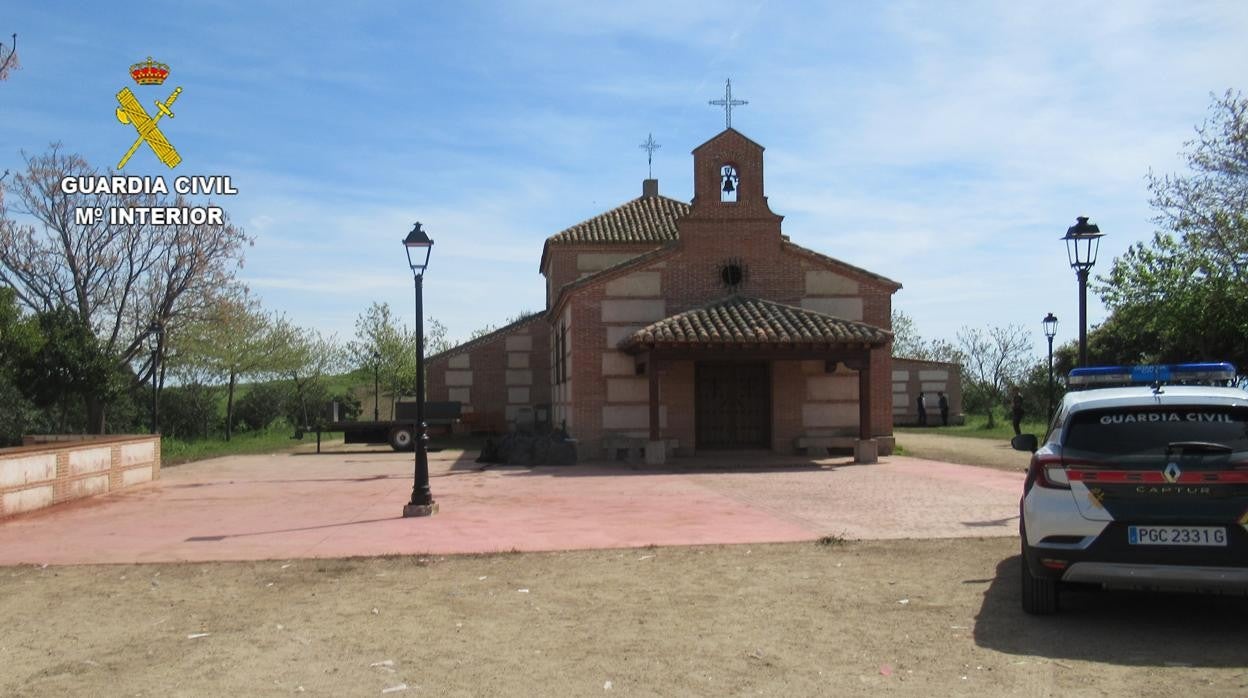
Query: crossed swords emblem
x=131, y=112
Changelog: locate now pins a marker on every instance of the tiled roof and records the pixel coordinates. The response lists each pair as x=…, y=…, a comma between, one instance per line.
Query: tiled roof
x=642, y=220
x=489, y=337
x=744, y=320
x=790, y=245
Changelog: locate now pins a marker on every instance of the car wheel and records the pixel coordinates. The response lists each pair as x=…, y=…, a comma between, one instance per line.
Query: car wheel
x=401, y=439
x=1040, y=595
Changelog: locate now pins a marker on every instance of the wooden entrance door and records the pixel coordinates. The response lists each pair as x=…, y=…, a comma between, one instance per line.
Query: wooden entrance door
x=733, y=405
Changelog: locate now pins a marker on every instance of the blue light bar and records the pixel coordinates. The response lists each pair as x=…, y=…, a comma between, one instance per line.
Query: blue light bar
x=1161, y=373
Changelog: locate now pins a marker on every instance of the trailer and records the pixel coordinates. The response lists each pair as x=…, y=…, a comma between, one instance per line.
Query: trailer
x=400, y=432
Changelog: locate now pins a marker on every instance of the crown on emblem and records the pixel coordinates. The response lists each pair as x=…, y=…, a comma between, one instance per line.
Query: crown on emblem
x=149, y=72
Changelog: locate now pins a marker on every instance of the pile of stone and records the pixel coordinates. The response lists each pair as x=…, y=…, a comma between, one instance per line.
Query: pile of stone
x=518, y=448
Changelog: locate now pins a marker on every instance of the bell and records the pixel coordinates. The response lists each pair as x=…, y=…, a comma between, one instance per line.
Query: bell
x=728, y=188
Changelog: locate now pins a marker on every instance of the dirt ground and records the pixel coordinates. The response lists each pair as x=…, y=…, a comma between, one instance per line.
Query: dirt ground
x=990, y=453
x=905, y=617
x=937, y=617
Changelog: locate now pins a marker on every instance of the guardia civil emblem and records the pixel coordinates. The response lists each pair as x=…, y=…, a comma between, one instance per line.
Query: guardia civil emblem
x=148, y=73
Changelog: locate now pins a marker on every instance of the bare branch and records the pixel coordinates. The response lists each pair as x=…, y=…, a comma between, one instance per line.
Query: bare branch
x=118, y=279
x=9, y=62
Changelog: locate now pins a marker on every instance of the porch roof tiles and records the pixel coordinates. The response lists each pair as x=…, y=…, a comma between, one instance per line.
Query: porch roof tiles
x=743, y=320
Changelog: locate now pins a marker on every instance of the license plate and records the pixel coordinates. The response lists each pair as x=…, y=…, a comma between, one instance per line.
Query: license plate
x=1177, y=535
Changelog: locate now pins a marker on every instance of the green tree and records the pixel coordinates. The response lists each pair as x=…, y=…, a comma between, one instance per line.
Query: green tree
x=1171, y=302
x=1207, y=206
x=996, y=360
x=1183, y=296
x=233, y=340
x=189, y=411
x=118, y=280
x=1034, y=387
x=68, y=367
x=19, y=340
x=382, y=341
x=436, y=339
x=305, y=357
x=263, y=404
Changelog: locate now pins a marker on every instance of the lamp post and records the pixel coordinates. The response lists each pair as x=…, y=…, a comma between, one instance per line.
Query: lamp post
x=1083, y=239
x=155, y=332
x=376, y=386
x=1050, y=330
x=419, y=247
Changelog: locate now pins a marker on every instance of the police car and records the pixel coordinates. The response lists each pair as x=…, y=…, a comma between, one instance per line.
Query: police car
x=1141, y=483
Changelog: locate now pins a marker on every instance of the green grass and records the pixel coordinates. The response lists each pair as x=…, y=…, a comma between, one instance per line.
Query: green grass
x=977, y=426
x=176, y=451
x=277, y=438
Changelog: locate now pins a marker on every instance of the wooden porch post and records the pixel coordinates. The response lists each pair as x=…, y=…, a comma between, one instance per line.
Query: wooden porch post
x=864, y=396
x=652, y=372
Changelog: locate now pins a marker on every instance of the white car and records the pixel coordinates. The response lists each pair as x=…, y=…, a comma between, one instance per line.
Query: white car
x=1140, y=486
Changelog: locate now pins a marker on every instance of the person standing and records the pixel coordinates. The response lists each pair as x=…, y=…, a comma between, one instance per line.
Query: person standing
x=944, y=409
x=1016, y=411
x=922, y=411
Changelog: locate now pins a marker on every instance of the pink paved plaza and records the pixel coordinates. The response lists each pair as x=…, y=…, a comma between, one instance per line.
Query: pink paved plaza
x=344, y=504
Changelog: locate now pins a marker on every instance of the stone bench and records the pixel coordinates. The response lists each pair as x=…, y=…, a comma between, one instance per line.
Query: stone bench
x=819, y=445
x=633, y=448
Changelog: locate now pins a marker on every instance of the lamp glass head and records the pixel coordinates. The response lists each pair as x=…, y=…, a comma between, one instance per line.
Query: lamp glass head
x=1083, y=241
x=419, y=247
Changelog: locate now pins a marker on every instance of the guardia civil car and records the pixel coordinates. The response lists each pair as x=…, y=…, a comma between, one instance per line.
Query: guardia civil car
x=1141, y=482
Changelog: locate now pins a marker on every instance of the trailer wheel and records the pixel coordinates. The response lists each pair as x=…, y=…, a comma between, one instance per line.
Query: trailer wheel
x=401, y=439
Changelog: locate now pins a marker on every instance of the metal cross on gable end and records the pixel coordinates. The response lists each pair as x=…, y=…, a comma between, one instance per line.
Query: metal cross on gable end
x=727, y=103
x=650, y=146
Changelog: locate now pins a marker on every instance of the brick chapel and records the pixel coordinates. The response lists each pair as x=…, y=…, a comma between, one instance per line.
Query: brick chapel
x=677, y=328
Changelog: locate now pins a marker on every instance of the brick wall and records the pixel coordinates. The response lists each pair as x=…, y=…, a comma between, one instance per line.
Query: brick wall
x=496, y=377
x=561, y=384
x=910, y=377
x=43, y=474
x=566, y=263
x=605, y=395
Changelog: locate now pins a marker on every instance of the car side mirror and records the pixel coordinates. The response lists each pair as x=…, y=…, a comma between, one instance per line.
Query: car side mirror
x=1025, y=442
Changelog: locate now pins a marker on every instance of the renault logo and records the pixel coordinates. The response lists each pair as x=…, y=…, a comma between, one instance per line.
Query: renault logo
x=1172, y=472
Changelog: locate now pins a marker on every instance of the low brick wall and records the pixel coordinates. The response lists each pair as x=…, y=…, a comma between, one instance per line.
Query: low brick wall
x=39, y=475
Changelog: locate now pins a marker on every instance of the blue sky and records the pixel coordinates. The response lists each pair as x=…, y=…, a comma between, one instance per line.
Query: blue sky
x=945, y=145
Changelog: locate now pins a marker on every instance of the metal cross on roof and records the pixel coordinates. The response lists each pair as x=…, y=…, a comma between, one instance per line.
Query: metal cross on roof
x=727, y=103
x=650, y=146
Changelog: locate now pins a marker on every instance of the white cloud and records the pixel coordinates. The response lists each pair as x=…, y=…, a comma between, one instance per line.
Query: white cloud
x=944, y=145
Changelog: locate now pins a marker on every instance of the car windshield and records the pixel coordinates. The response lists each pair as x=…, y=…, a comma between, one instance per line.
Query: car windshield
x=1150, y=430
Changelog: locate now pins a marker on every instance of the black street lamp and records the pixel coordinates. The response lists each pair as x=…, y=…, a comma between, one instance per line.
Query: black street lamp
x=376, y=386
x=155, y=332
x=1083, y=239
x=1050, y=330
x=419, y=245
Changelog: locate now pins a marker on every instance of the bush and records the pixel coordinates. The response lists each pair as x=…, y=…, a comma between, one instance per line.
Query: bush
x=189, y=411
x=262, y=405
x=20, y=417
x=320, y=409
x=348, y=407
